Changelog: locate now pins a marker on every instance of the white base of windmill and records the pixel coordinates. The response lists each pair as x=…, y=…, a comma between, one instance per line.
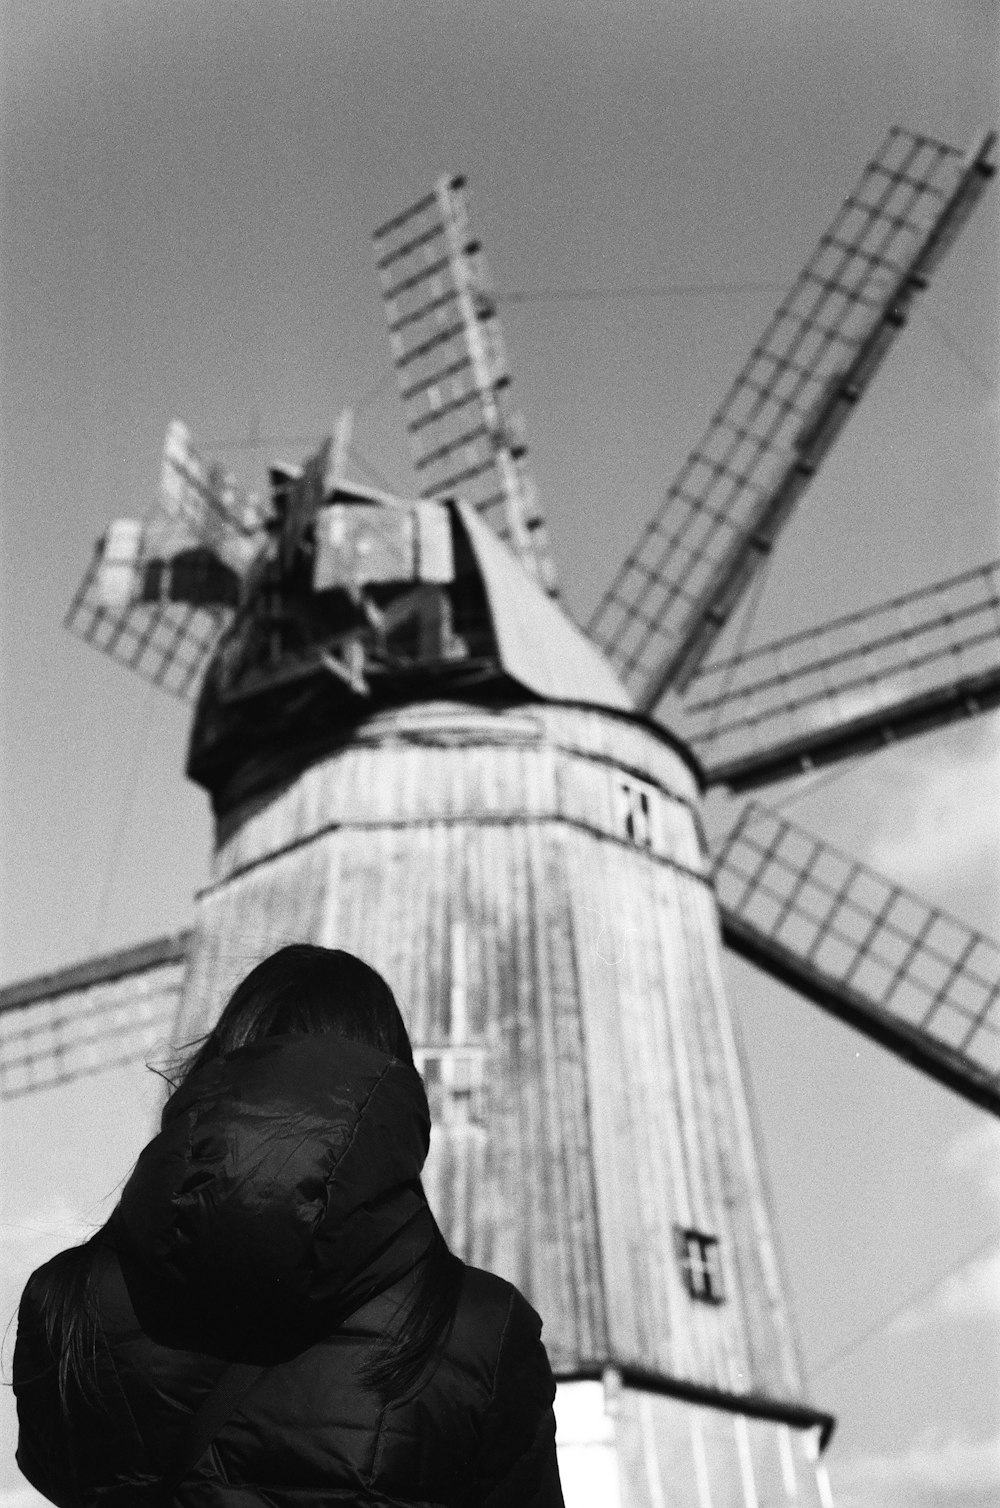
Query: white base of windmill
x=585, y=1442
x=622, y=1448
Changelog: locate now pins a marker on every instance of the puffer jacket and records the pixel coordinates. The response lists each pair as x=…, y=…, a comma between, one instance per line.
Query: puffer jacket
x=276, y=1219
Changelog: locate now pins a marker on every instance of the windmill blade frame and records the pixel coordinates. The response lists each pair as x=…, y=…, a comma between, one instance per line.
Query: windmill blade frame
x=465, y=437
x=864, y=949
x=865, y=679
x=678, y=586
x=111, y=1010
x=157, y=596
x=564, y=951
x=166, y=642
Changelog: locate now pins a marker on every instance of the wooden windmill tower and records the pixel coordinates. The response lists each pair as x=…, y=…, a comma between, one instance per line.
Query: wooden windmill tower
x=413, y=753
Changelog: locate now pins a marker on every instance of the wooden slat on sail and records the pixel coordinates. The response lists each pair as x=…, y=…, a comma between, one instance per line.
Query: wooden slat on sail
x=119, y=1008
x=903, y=972
x=722, y=514
x=868, y=678
x=467, y=440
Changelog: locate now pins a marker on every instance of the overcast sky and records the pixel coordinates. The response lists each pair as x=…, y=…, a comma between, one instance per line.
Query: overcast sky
x=188, y=196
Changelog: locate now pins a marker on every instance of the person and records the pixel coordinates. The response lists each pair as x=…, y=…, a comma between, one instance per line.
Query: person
x=271, y=1315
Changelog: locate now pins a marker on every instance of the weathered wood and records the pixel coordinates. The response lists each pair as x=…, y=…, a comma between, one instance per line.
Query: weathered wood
x=560, y=978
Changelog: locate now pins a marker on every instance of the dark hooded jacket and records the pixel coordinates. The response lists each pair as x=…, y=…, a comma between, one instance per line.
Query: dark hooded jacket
x=277, y=1219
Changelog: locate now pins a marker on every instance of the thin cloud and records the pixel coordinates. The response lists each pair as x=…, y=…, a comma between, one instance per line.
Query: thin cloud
x=976, y=1153
x=937, y=1471
x=942, y=817
x=973, y=1292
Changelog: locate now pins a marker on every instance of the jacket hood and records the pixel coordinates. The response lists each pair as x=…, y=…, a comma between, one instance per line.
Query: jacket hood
x=282, y=1192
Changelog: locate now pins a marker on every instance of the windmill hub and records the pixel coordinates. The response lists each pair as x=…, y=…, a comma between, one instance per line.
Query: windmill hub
x=357, y=600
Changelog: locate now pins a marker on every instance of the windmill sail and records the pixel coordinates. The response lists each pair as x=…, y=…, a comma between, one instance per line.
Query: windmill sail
x=465, y=437
x=205, y=500
x=865, y=949
x=164, y=640
x=116, y=1009
x=157, y=595
x=863, y=680
x=721, y=516
x=528, y=867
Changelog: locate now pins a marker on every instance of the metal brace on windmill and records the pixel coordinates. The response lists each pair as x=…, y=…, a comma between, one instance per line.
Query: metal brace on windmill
x=412, y=752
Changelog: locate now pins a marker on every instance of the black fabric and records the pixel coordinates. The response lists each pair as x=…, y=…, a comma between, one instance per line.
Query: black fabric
x=283, y=1190
x=277, y=1221
x=218, y=1406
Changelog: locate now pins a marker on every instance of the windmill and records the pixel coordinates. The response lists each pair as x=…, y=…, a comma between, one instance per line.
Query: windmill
x=412, y=751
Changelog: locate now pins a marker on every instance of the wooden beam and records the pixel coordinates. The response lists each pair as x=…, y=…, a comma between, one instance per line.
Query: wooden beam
x=752, y=1405
x=860, y=735
x=949, y=1067
x=100, y=970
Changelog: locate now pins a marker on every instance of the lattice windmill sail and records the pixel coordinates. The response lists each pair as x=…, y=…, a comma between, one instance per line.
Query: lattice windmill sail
x=452, y=369
x=95, y=1016
x=157, y=595
x=720, y=519
x=865, y=949
x=412, y=752
x=847, y=687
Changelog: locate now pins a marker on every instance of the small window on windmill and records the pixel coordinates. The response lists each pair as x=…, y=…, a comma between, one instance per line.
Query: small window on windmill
x=358, y=543
x=463, y=1074
x=428, y=1065
x=637, y=813
x=454, y=1079
x=700, y=1263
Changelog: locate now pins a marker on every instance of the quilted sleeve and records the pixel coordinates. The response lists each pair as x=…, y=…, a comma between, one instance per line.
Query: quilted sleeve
x=517, y=1466
x=43, y=1453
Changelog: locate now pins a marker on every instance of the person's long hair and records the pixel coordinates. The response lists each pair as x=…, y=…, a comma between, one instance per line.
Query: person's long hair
x=300, y=988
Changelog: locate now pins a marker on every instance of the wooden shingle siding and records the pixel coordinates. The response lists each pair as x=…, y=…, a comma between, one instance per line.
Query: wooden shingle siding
x=566, y=959
x=569, y=775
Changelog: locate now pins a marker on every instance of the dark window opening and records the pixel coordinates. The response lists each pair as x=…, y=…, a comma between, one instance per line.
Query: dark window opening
x=636, y=813
x=701, y=1264
x=456, y=1084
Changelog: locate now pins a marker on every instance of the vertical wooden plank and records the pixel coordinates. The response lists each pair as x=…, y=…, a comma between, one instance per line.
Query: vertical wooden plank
x=479, y=860
x=725, y=1200
x=769, y=1332
x=700, y=1459
x=747, y=1478
x=694, y=1345
x=593, y=904
x=560, y=1210
x=587, y=1329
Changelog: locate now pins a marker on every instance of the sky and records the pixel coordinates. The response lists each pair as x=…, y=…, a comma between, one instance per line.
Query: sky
x=188, y=195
